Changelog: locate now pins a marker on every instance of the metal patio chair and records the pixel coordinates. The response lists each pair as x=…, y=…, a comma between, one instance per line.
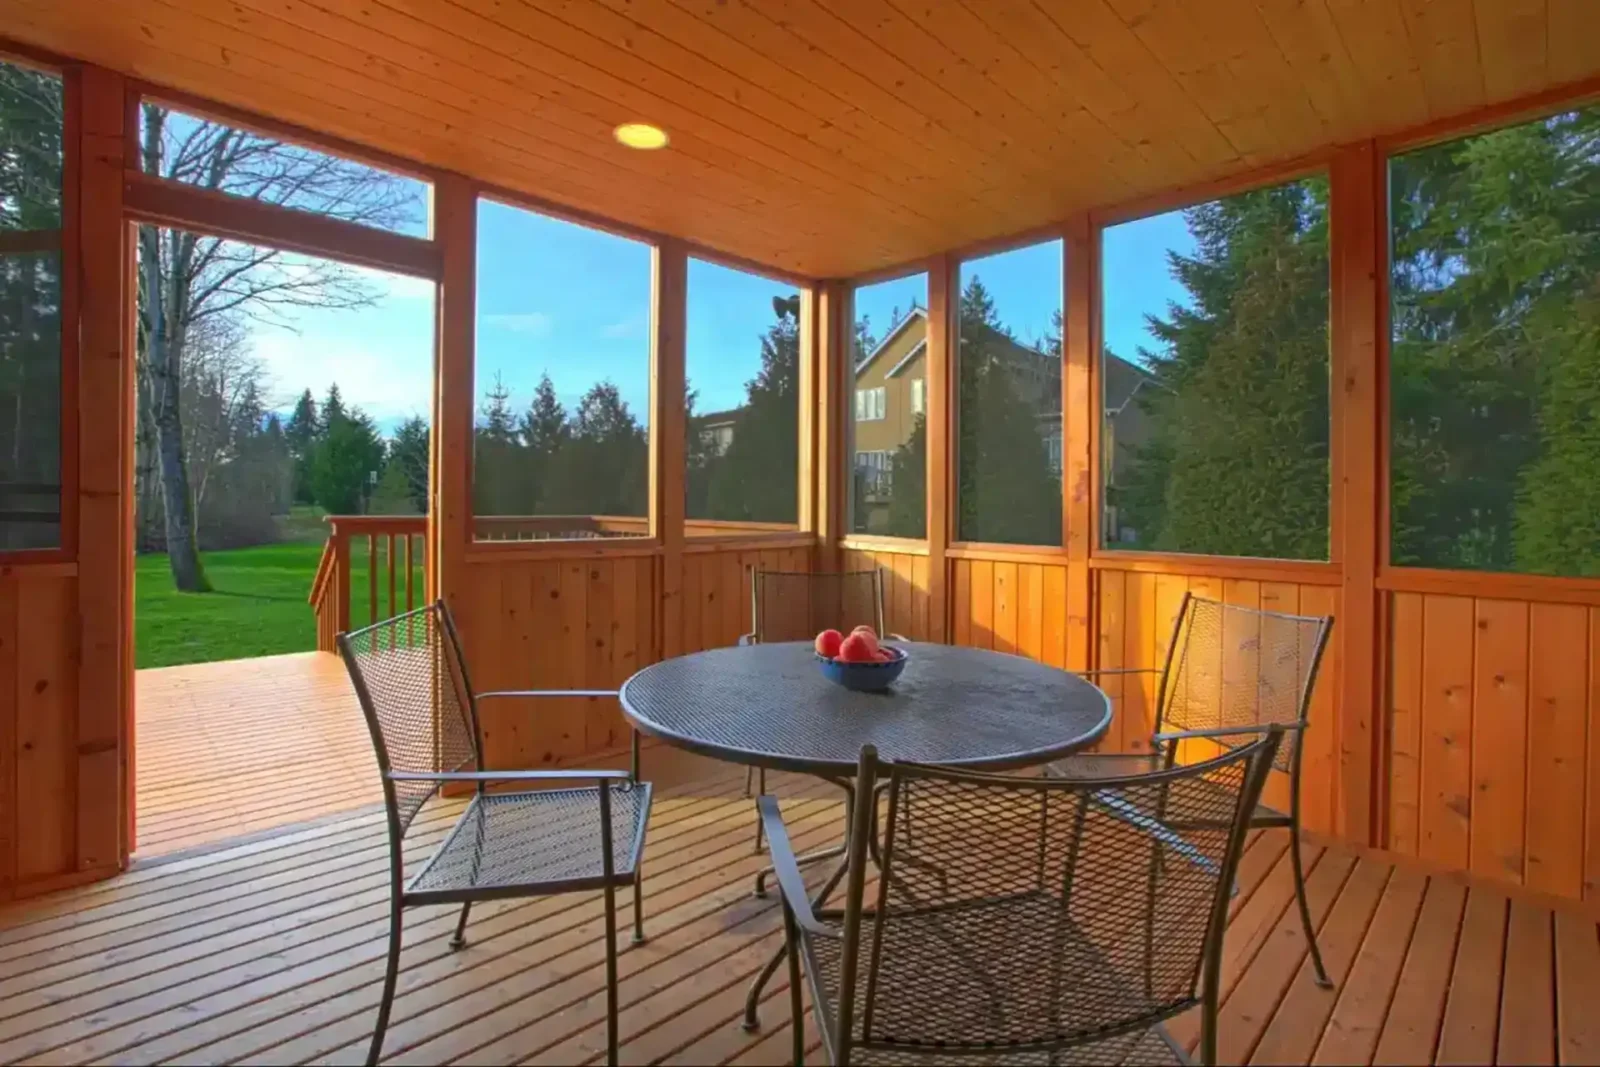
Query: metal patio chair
x=412, y=682
x=1027, y=920
x=798, y=605
x=1230, y=674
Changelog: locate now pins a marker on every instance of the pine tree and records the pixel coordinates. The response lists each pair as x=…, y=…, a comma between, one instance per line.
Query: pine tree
x=500, y=482
x=604, y=468
x=409, y=453
x=755, y=480
x=301, y=434
x=544, y=432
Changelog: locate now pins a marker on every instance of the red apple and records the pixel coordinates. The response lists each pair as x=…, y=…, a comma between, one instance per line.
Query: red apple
x=854, y=649
x=868, y=638
x=828, y=642
x=884, y=656
x=865, y=629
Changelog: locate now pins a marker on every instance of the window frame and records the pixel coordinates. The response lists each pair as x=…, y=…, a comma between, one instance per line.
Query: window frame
x=69, y=248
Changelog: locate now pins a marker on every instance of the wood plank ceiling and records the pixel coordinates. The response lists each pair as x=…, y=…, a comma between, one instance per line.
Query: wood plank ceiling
x=833, y=137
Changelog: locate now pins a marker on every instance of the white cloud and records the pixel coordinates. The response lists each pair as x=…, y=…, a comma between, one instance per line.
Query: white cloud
x=626, y=328
x=387, y=385
x=532, y=323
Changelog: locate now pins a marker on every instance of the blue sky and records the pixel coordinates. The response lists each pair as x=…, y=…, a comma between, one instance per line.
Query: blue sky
x=558, y=298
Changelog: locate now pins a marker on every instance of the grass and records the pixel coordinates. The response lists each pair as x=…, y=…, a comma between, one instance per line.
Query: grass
x=257, y=607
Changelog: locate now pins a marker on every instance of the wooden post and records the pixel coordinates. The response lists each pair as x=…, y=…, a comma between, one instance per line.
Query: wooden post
x=940, y=496
x=669, y=297
x=341, y=576
x=1357, y=217
x=831, y=354
x=105, y=478
x=1080, y=409
x=450, y=518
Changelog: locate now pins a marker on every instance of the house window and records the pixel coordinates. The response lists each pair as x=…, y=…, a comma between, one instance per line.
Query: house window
x=1214, y=369
x=919, y=397
x=876, y=469
x=1494, y=355
x=1008, y=398
x=870, y=404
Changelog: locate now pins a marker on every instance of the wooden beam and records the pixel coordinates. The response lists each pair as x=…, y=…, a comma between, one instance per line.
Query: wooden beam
x=833, y=316
x=669, y=276
x=1357, y=216
x=942, y=332
x=811, y=450
x=450, y=518
x=160, y=202
x=104, y=484
x=1080, y=409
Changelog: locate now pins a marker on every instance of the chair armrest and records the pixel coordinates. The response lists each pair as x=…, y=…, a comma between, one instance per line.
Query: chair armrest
x=747, y=639
x=895, y=637
x=1226, y=731
x=507, y=776
x=547, y=693
x=787, y=868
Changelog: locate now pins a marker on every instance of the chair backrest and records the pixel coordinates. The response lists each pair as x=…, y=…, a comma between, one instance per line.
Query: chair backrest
x=412, y=683
x=798, y=605
x=1027, y=914
x=1236, y=666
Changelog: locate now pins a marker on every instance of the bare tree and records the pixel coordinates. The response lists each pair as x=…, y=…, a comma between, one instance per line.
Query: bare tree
x=187, y=278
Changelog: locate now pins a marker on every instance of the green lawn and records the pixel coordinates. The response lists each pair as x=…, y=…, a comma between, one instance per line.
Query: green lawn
x=257, y=606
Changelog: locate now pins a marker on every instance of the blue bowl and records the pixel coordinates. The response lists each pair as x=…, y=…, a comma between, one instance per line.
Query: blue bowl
x=865, y=677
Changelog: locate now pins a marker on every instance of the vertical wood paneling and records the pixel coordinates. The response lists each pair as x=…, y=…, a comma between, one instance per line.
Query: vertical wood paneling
x=45, y=698
x=1112, y=641
x=982, y=604
x=1558, y=642
x=9, y=681
x=1446, y=730
x=1405, y=721
x=1052, y=608
x=960, y=602
x=1499, y=737
x=1319, y=776
x=1005, y=607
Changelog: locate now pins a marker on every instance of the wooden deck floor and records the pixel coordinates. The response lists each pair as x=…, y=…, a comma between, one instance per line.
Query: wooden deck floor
x=269, y=951
x=224, y=749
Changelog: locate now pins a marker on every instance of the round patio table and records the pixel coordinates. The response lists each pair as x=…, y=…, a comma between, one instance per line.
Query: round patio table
x=769, y=706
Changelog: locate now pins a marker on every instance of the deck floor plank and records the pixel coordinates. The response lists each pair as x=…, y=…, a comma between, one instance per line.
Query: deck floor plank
x=268, y=948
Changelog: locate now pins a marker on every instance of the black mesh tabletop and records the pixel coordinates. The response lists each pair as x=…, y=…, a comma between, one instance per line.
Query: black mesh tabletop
x=769, y=705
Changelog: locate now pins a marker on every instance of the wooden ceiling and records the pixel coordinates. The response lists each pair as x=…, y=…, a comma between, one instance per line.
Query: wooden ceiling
x=834, y=137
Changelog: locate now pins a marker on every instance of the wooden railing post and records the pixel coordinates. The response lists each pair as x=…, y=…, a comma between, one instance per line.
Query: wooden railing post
x=341, y=575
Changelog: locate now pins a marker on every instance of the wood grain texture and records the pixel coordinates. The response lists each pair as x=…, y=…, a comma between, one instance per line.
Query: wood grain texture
x=1023, y=114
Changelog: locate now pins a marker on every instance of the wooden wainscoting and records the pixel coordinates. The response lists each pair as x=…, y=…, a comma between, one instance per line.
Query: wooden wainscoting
x=1494, y=755
x=1015, y=606
x=40, y=750
x=905, y=589
x=716, y=589
x=1137, y=610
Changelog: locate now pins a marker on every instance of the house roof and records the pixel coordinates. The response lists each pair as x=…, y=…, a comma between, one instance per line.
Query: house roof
x=916, y=314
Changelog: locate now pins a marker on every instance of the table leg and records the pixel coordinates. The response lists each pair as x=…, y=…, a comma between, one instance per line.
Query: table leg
x=820, y=854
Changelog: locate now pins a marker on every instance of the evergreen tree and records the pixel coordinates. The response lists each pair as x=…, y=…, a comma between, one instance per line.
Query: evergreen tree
x=1238, y=460
x=301, y=435
x=347, y=457
x=908, y=516
x=604, y=468
x=500, y=481
x=1007, y=492
x=409, y=454
x=544, y=433
x=755, y=480
x=332, y=409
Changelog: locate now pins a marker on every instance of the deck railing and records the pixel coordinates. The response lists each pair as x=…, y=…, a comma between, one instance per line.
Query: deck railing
x=373, y=567
x=394, y=555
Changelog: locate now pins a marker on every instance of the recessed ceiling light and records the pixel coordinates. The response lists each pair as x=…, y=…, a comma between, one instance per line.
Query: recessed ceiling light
x=640, y=135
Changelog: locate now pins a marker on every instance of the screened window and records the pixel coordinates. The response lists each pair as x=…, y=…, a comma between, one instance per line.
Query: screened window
x=887, y=426
x=561, y=435
x=743, y=400
x=1215, y=377
x=1008, y=397
x=919, y=396
x=195, y=150
x=31, y=162
x=1495, y=350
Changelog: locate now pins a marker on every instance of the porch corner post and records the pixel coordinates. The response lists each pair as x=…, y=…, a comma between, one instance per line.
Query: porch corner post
x=1079, y=419
x=450, y=516
x=104, y=506
x=669, y=301
x=1359, y=377
x=942, y=341
x=828, y=476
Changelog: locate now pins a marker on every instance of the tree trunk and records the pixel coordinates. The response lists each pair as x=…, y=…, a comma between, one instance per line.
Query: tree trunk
x=164, y=353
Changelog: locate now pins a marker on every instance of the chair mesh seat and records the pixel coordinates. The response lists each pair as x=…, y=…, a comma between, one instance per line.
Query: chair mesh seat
x=1141, y=1048
x=982, y=970
x=1116, y=765
x=507, y=840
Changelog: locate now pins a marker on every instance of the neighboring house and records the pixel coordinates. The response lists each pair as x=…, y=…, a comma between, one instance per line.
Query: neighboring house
x=716, y=429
